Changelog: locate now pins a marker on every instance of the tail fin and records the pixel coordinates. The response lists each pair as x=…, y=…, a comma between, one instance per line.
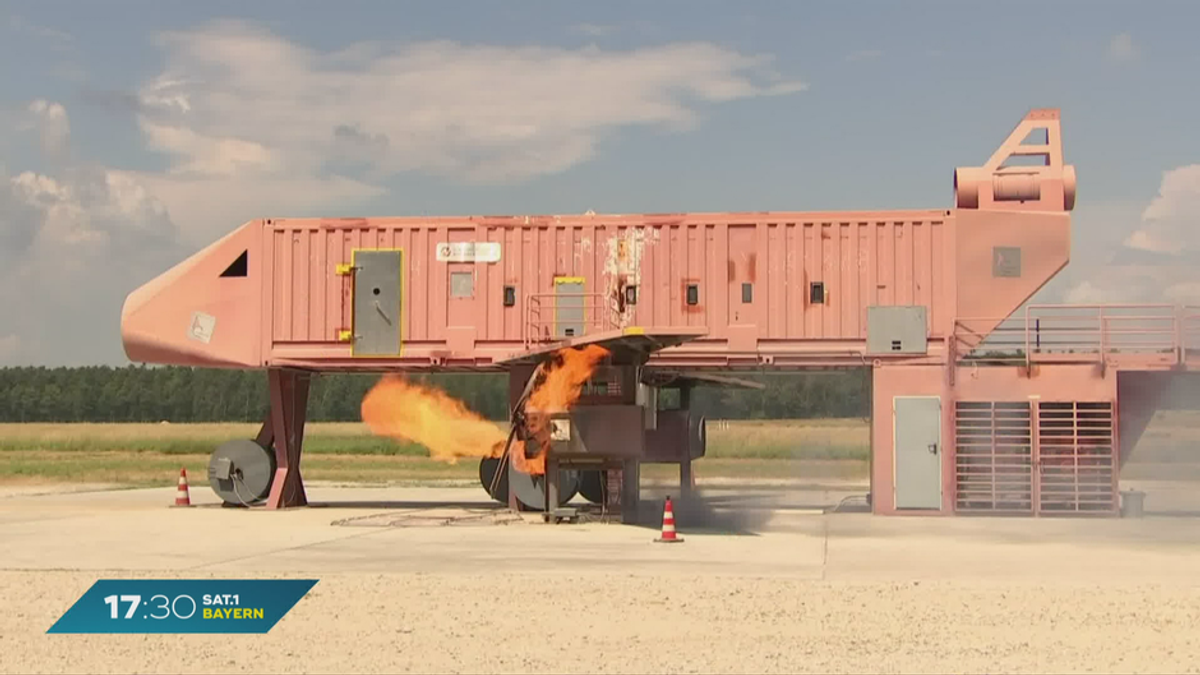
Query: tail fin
x=1026, y=173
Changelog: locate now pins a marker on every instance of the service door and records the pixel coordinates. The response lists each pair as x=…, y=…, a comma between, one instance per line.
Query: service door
x=918, y=448
x=377, y=303
x=569, y=307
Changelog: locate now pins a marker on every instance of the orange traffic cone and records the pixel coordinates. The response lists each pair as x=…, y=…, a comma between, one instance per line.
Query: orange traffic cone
x=181, y=495
x=668, y=526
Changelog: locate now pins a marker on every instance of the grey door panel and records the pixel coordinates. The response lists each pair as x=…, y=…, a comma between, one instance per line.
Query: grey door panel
x=377, y=303
x=918, y=452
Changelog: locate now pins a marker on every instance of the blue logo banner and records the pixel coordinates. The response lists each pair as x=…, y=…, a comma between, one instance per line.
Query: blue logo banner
x=182, y=606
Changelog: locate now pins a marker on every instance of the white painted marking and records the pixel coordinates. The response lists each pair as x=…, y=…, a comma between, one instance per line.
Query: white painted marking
x=202, y=327
x=469, y=252
x=560, y=430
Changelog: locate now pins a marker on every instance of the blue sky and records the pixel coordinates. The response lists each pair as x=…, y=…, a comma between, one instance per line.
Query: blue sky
x=137, y=132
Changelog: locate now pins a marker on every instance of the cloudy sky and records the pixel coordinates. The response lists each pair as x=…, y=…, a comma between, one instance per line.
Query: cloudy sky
x=134, y=133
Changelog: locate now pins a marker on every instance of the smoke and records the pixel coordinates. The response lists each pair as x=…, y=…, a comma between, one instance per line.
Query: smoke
x=700, y=512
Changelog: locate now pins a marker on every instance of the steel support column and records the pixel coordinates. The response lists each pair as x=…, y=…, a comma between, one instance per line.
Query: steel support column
x=289, y=406
x=687, y=480
x=266, y=433
x=552, y=486
x=631, y=491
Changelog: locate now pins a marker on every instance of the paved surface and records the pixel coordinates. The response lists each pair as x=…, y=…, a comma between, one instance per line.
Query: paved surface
x=437, y=579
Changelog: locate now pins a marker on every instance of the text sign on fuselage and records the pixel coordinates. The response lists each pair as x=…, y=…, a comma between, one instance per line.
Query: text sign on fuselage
x=468, y=252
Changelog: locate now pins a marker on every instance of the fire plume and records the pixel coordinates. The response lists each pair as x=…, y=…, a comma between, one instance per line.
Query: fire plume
x=404, y=410
x=534, y=466
x=557, y=386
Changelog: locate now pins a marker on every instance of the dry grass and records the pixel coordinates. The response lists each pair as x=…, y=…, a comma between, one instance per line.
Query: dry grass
x=152, y=454
x=777, y=439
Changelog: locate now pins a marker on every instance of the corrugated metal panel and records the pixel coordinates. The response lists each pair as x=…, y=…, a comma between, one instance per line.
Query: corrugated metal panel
x=753, y=270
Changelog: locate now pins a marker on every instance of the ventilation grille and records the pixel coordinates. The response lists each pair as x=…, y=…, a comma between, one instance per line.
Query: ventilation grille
x=597, y=388
x=1077, y=471
x=993, y=457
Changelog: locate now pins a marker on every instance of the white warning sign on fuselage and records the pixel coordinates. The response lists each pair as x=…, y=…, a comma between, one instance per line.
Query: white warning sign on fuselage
x=202, y=326
x=469, y=252
x=560, y=430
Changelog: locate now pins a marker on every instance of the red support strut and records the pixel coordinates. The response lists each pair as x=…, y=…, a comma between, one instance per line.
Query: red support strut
x=289, y=405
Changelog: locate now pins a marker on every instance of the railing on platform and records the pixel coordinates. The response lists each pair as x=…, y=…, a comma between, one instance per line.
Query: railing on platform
x=1162, y=333
x=1189, y=331
x=989, y=340
x=575, y=313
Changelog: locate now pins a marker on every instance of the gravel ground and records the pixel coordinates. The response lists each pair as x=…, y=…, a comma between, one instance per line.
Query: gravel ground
x=639, y=623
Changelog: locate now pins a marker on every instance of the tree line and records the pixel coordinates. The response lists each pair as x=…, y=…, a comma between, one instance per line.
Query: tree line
x=139, y=393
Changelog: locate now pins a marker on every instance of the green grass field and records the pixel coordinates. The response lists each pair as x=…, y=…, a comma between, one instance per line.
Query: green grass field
x=152, y=454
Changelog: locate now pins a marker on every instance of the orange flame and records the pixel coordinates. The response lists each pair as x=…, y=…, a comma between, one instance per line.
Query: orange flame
x=404, y=410
x=558, y=385
x=534, y=466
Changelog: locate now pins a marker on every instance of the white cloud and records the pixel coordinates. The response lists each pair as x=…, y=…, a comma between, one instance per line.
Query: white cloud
x=1145, y=241
x=73, y=243
x=1084, y=293
x=1158, y=254
x=1175, y=209
x=53, y=124
x=253, y=125
x=45, y=33
x=209, y=156
x=1121, y=48
x=209, y=207
x=234, y=100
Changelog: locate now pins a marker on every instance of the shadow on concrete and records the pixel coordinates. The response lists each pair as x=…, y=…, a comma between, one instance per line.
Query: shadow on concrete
x=407, y=505
x=381, y=505
x=702, y=515
x=853, y=504
x=1172, y=513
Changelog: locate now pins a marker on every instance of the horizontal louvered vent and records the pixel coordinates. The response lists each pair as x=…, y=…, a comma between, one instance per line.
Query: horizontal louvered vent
x=1077, y=468
x=993, y=457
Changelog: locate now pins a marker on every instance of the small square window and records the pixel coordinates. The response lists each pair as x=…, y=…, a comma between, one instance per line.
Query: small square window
x=510, y=296
x=693, y=294
x=631, y=295
x=816, y=293
x=747, y=293
x=462, y=284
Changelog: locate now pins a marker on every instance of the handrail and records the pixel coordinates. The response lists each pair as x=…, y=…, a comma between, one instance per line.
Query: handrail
x=1048, y=332
x=1151, y=333
x=596, y=314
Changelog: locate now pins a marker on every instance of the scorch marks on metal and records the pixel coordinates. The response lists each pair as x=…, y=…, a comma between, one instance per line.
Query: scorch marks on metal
x=622, y=268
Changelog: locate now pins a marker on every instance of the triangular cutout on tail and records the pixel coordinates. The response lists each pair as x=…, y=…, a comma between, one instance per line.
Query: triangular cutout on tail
x=239, y=267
